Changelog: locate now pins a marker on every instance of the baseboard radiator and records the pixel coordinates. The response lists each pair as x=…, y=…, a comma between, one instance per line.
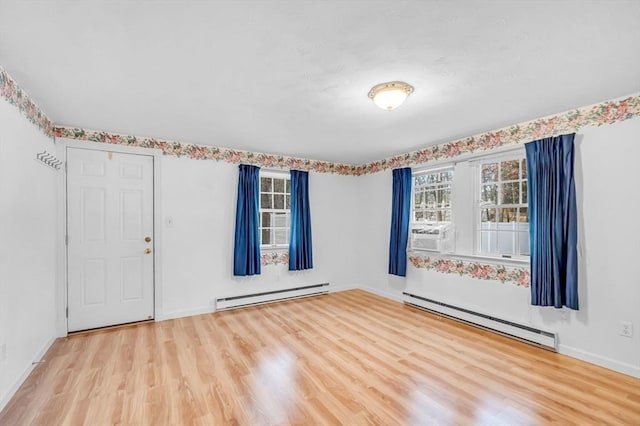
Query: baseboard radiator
x=543, y=339
x=244, y=300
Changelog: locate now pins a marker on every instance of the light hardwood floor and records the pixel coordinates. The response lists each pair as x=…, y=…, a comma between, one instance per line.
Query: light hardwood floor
x=351, y=357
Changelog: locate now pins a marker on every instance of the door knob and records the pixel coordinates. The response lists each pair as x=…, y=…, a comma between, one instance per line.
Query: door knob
x=147, y=251
x=147, y=239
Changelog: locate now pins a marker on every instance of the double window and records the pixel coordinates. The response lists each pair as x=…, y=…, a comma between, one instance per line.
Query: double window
x=484, y=201
x=275, y=210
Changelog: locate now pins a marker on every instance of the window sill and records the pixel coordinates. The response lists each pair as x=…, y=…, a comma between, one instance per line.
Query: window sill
x=274, y=248
x=471, y=257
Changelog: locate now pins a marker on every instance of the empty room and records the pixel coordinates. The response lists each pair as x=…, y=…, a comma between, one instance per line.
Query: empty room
x=319, y=212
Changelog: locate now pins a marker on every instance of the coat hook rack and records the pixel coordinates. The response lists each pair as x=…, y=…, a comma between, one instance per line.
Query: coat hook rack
x=49, y=160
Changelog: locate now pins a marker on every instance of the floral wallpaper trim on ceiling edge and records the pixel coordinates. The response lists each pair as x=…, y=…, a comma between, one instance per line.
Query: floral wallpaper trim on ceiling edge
x=205, y=152
x=599, y=114
x=274, y=258
x=16, y=96
x=477, y=270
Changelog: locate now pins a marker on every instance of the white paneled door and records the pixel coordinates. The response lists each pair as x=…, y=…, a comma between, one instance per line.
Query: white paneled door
x=110, y=238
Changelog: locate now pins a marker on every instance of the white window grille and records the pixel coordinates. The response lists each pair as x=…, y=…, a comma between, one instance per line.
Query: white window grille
x=275, y=211
x=432, y=196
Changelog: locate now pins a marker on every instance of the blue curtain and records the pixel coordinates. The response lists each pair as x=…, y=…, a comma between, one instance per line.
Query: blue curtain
x=552, y=222
x=300, y=252
x=246, y=250
x=400, y=213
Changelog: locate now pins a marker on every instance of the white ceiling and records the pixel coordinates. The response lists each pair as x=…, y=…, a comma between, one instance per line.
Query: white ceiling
x=291, y=77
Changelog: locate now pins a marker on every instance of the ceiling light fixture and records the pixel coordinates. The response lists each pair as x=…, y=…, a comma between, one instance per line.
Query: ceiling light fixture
x=390, y=95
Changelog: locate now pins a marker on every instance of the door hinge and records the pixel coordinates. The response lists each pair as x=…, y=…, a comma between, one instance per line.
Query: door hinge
x=66, y=240
x=65, y=167
x=67, y=312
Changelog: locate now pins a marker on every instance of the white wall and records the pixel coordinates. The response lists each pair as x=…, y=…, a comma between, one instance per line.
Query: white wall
x=29, y=297
x=375, y=225
x=609, y=240
x=197, y=255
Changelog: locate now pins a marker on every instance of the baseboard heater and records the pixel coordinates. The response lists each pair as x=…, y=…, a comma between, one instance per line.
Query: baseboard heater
x=234, y=302
x=543, y=339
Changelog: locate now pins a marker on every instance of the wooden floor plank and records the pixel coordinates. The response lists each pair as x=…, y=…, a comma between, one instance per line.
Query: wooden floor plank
x=345, y=358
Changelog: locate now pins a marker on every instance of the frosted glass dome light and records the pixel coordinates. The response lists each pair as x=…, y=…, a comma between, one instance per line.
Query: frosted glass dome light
x=391, y=95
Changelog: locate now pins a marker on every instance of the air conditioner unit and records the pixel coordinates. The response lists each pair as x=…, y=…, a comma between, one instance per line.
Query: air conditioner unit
x=431, y=236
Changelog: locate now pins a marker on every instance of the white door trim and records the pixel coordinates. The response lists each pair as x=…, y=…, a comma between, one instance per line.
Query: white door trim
x=156, y=154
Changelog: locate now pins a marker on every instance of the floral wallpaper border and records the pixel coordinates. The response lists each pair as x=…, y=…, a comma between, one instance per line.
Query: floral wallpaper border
x=205, y=152
x=16, y=96
x=274, y=258
x=477, y=270
x=599, y=114
x=607, y=112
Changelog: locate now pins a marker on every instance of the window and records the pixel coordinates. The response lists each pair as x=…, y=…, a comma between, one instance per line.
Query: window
x=432, y=196
x=485, y=196
x=503, y=223
x=275, y=210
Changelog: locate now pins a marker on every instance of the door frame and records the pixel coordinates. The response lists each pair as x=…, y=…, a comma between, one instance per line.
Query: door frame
x=156, y=155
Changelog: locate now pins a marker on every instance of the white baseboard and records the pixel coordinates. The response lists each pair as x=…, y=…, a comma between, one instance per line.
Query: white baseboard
x=267, y=297
x=385, y=294
x=210, y=309
x=611, y=364
x=185, y=313
x=16, y=385
x=334, y=289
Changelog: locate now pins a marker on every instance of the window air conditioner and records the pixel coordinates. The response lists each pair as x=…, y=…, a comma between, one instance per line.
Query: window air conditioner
x=431, y=236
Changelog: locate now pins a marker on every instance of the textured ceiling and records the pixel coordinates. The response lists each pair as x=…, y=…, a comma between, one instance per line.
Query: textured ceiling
x=291, y=77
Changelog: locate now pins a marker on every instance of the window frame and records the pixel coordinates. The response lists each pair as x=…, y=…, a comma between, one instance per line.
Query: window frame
x=286, y=176
x=499, y=158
